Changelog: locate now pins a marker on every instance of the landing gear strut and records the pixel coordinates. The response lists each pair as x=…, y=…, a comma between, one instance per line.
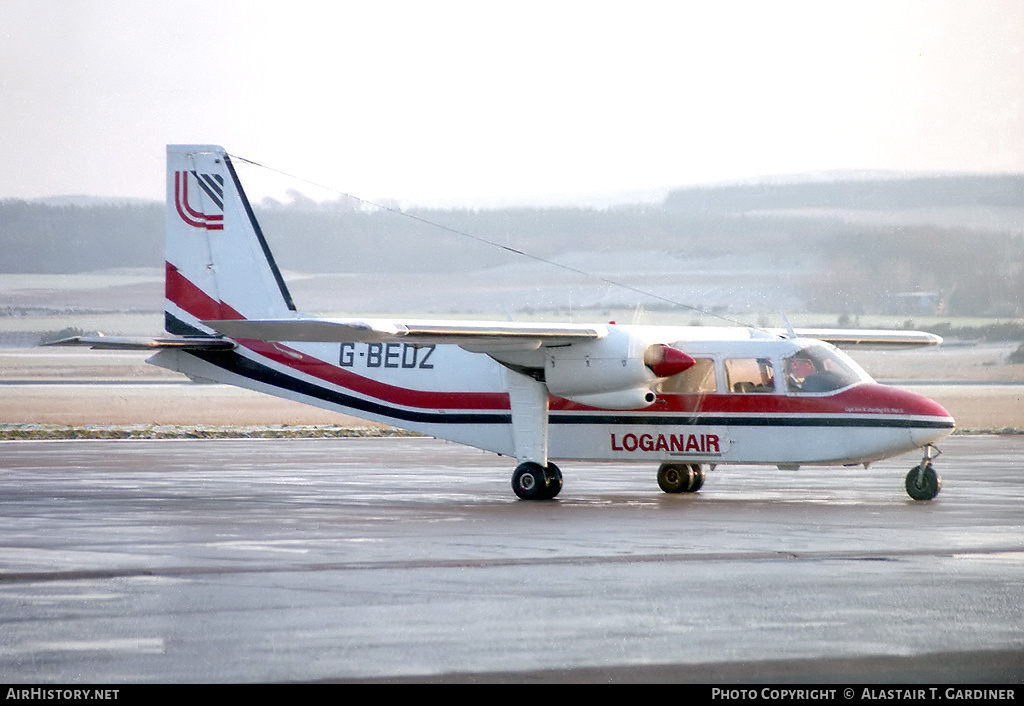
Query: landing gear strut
x=532, y=481
x=680, y=477
x=923, y=483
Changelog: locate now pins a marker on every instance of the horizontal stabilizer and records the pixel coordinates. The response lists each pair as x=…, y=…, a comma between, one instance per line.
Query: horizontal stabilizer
x=141, y=343
x=868, y=338
x=479, y=334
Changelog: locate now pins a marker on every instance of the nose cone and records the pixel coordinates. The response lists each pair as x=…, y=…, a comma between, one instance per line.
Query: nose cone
x=925, y=420
x=933, y=422
x=921, y=436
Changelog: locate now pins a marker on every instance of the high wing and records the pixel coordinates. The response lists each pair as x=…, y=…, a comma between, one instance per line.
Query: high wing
x=868, y=338
x=476, y=336
x=488, y=336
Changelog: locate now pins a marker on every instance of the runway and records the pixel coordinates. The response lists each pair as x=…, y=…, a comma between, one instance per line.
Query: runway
x=410, y=559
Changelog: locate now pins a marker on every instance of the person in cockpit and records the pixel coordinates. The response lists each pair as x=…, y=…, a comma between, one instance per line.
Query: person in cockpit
x=803, y=376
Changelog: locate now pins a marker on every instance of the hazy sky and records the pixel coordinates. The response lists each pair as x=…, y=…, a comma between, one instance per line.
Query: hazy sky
x=484, y=102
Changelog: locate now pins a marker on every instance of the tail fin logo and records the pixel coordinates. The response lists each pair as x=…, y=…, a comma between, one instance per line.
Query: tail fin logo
x=213, y=186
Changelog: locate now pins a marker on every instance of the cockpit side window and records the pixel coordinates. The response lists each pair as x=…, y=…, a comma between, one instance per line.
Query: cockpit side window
x=697, y=379
x=818, y=369
x=750, y=375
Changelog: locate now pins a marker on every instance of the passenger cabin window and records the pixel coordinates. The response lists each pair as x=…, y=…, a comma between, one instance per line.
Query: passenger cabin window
x=697, y=379
x=750, y=375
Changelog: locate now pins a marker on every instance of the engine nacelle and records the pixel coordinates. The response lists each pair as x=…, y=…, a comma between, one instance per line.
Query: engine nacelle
x=615, y=372
x=623, y=399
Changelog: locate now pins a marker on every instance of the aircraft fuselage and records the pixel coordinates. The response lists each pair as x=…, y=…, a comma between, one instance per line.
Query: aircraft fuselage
x=740, y=406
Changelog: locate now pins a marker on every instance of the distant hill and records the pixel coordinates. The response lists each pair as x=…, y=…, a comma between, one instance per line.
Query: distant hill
x=84, y=201
x=877, y=193
x=41, y=237
x=855, y=245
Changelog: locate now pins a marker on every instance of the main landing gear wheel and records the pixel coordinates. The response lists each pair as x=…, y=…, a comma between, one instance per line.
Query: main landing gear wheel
x=923, y=483
x=697, y=478
x=532, y=481
x=554, y=480
x=680, y=477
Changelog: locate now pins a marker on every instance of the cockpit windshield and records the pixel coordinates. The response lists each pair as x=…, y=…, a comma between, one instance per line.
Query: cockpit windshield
x=818, y=367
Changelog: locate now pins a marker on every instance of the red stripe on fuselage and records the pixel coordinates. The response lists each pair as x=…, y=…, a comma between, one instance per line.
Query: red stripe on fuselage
x=404, y=396
x=863, y=400
x=199, y=304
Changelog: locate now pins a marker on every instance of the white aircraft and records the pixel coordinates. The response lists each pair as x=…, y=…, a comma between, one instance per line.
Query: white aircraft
x=679, y=397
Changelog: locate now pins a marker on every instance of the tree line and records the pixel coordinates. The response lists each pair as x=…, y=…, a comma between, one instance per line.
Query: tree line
x=859, y=266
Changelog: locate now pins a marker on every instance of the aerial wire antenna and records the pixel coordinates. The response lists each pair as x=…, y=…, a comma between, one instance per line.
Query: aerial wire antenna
x=500, y=246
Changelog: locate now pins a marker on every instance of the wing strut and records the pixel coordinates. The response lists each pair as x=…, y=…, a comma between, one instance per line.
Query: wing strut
x=529, y=401
x=535, y=478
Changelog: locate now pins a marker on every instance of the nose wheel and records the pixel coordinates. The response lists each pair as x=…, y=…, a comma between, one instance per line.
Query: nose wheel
x=923, y=483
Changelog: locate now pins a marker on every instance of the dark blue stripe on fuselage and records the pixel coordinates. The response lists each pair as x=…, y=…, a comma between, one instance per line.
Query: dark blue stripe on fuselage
x=248, y=368
x=762, y=421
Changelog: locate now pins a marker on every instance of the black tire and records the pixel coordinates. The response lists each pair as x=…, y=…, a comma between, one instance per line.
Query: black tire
x=674, y=477
x=696, y=478
x=925, y=488
x=554, y=480
x=530, y=481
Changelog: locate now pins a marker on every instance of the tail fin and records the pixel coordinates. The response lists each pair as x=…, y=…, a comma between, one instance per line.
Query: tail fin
x=219, y=265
